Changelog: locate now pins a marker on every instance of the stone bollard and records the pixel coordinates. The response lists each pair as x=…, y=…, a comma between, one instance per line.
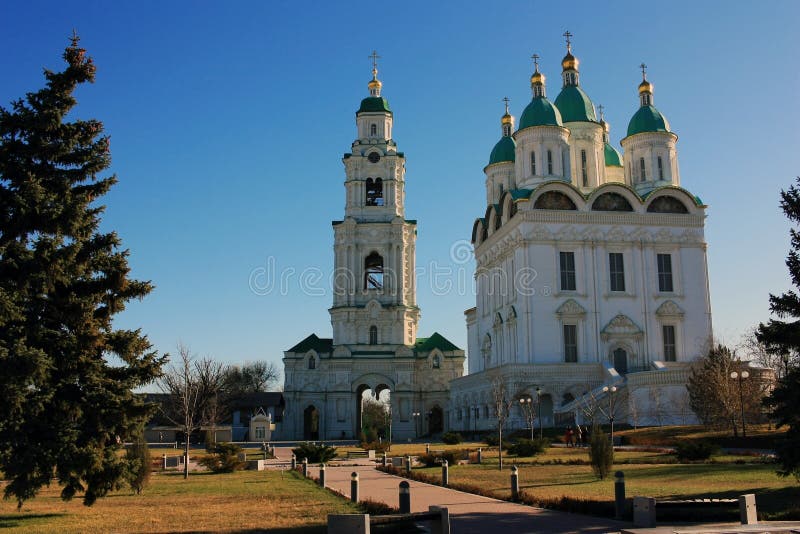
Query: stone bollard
x=354, y=487
x=408, y=464
x=405, y=497
x=322, y=475
x=163, y=461
x=747, y=509
x=644, y=512
x=264, y=449
x=305, y=467
x=294, y=462
x=384, y=459
x=445, y=474
x=443, y=525
x=619, y=494
x=480, y=455
x=514, y=483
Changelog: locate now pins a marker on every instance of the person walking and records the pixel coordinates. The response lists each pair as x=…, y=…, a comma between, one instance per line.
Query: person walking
x=568, y=437
x=578, y=436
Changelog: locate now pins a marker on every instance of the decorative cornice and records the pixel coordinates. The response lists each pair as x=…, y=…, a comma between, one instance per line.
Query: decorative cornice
x=669, y=309
x=621, y=326
x=570, y=309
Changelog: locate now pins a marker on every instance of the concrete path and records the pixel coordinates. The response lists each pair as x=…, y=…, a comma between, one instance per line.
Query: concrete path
x=469, y=513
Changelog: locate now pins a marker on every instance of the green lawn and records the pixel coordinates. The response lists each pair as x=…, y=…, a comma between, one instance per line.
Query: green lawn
x=268, y=501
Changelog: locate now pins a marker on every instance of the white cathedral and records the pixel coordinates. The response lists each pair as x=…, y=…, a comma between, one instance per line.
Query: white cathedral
x=591, y=281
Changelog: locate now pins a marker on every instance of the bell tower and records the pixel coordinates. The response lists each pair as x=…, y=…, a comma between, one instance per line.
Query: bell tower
x=374, y=299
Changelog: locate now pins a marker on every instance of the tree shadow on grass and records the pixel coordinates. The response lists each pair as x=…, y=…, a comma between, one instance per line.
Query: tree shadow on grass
x=22, y=519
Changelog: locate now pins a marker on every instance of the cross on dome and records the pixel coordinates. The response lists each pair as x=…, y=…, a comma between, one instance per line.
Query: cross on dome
x=375, y=84
x=644, y=71
x=567, y=35
x=535, y=58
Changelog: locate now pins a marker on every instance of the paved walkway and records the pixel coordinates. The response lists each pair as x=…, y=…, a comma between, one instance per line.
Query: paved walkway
x=469, y=513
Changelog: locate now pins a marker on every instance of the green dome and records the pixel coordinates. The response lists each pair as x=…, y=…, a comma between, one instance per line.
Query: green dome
x=540, y=112
x=613, y=159
x=503, y=151
x=647, y=119
x=575, y=105
x=374, y=104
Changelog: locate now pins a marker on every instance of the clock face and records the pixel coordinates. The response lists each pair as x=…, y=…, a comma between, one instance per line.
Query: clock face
x=374, y=157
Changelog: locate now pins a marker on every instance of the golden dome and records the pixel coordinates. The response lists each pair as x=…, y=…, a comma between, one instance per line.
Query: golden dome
x=645, y=87
x=606, y=127
x=537, y=78
x=375, y=84
x=507, y=119
x=569, y=62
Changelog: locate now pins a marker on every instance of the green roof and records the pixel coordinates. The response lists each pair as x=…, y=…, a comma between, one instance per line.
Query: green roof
x=374, y=104
x=613, y=159
x=313, y=342
x=503, y=150
x=575, y=105
x=540, y=112
x=520, y=193
x=647, y=119
x=436, y=341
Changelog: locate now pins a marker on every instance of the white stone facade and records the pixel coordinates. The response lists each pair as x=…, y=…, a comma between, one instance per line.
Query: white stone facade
x=591, y=275
x=374, y=314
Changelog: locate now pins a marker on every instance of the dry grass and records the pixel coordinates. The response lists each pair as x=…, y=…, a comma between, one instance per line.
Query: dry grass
x=266, y=501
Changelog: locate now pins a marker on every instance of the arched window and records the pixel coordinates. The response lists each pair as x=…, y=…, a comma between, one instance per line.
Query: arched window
x=643, y=172
x=436, y=362
x=667, y=204
x=584, y=173
x=533, y=162
x=312, y=362
x=373, y=130
x=549, y=162
x=373, y=271
x=554, y=200
x=611, y=202
x=374, y=192
x=660, y=169
x=373, y=335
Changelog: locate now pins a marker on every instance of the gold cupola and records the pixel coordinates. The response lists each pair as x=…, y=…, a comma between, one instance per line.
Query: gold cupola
x=537, y=78
x=569, y=62
x=374, y=84
x=645, y=88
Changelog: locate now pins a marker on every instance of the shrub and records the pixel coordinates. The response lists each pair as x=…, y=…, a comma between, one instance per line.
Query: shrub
x=375, y=446
x=529, y=447
x=601, y=453
x=452, y=438
x=223, y=458
x=315, y=454
x=137, y=460
x=373, y=507
x=452, y=457
x=695, y=450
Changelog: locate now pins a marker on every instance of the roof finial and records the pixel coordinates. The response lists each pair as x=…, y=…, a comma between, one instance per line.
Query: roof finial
x=535, y=58
x=567, y=35
x=506, y=100
x=644, y=71
x=600, y=109
x=375, y=84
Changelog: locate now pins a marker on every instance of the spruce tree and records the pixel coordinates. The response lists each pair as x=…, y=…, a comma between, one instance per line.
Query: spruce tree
x=67, y=376
x=781, y=337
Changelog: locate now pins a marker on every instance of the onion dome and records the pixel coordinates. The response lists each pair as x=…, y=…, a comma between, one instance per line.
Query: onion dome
x=573, y=103
x=505, y=148
x=647, y=118
x=374, y=102
x=540, y=112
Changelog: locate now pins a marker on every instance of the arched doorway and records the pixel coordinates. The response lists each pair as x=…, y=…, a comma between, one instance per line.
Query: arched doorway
x=435, y=420
x=311, y=423
x=373, y=413
x=620, y=360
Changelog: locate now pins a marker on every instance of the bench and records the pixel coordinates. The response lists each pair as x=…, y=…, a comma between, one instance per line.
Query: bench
x=644, y=508
x=438, y=518
x=368, y=454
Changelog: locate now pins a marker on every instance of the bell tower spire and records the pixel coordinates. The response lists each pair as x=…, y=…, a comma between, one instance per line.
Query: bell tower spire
x=645, y=89
x=375, y=84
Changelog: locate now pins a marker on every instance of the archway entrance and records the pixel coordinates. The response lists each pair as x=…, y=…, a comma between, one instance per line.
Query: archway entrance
x=311, y=423
x=373, y=413
x=435, y=420
x=621, y=361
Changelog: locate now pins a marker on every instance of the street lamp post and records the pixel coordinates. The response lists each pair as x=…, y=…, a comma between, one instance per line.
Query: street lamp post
x=539, y=408
x=739, y=377
x=527, y=410
x=610, y=391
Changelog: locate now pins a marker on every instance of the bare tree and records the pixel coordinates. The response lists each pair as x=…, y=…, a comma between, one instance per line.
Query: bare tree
x=251, y=377
x=502, y=400
x=778, y=359
x=212, y=399
x=181, y=383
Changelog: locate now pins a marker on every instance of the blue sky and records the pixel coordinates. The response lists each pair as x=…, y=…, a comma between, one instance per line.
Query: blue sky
x=228, y=123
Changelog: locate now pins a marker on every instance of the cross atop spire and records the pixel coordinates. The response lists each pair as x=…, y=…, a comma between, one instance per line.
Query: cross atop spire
x=535, y=58
x=644, y=71
x=506, y=100
x=600, y=109
x=374, y=57
x=567, y=35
